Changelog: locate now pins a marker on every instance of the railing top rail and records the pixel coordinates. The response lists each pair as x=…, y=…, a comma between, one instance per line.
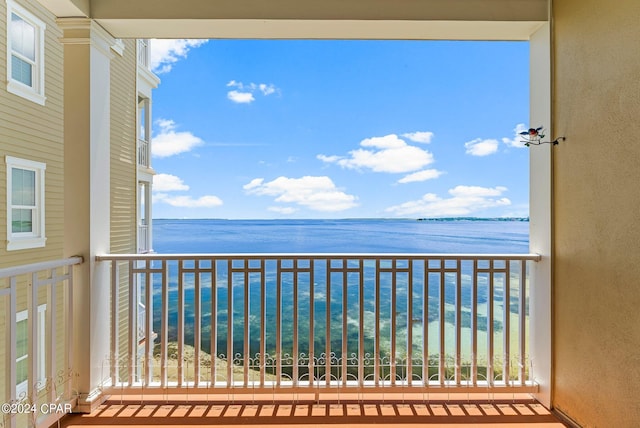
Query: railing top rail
x=34, y=267
x=275, y=256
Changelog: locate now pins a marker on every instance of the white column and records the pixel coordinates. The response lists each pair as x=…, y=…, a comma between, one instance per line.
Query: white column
x=87, y=56
x=540, y=214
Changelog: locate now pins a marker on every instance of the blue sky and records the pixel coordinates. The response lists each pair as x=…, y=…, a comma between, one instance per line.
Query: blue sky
x=339, y=129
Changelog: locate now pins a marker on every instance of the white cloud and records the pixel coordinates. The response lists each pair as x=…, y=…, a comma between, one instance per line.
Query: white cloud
x=158, y=197
x=283, y=210
x=207, y=201
x=480, y=147
x=383, y=154
x=244, y=93
x=517, y=140
x=427, y=174
x=253, y=184
x=464, y=200
x=329, y=159
x=166, y=52
x=163, y=183
x=267, y=89
x=315, y=193
x=240, y=97
x=390, y=141
x=477, y=191
x=168, y=183
x=485, y=147
x=518, y=210
x=419, y=137
x=168, y=142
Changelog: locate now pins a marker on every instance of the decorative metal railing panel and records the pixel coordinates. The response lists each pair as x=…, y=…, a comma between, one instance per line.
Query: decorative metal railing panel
x=322, y=321
x=36, y=311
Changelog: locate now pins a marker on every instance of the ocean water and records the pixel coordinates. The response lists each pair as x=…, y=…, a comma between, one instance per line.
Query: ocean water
x=331, y=236
x=341, y=236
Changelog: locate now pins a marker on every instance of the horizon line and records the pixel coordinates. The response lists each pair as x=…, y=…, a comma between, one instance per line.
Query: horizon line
x=518, y=218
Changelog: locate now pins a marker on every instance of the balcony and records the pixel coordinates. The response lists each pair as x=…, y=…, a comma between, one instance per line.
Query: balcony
x=144, y=53
x=144, y=158
x=143, y=238
x=324, y=323
x=355, y=338
x=45, y=346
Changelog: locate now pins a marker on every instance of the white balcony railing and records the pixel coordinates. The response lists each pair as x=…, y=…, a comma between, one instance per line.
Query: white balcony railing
x=143, y=238
x=296, y=321
x=42, y=293
x=143, y=153
x=143, y=52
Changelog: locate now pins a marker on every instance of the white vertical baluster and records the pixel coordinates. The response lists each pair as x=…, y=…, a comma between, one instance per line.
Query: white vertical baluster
x=133, y=324
x=214, y=321
x=115, y=317
x=164, y=324
x=230, y=322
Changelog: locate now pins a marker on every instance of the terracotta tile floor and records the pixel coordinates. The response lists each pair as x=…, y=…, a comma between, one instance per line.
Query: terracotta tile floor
x=407, y=412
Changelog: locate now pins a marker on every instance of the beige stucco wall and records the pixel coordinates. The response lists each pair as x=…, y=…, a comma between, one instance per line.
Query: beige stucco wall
x=596, y=105
x=34, y=132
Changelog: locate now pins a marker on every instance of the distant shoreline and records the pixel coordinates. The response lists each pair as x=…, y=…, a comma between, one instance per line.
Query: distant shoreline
x=428, y=219
x=526, y=219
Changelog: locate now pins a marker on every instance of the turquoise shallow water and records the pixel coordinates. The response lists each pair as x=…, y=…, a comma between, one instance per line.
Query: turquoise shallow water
x=324, y=236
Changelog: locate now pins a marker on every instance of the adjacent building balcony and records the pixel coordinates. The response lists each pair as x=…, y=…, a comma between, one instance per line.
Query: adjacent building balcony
x=144, y=155
x=144, y=53
x=143, y=239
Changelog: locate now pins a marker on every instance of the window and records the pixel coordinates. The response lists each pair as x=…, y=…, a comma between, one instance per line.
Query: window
x=25, y=54
x=144, y=132
x=25, y=204
x=22, y=350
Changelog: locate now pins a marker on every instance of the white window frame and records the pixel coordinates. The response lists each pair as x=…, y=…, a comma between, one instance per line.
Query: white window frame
x=35, y=92
x=22, y=387
x=36, y=238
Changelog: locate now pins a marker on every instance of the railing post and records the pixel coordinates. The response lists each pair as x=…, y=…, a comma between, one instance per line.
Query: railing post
x=50, y=342
x=10, y=343
x=32, y=347
x=133, y=325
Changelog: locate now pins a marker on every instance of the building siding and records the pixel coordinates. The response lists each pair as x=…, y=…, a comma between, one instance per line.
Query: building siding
x=123, y=174
x=34, y=132
x=31, y=131
x=123, y=150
